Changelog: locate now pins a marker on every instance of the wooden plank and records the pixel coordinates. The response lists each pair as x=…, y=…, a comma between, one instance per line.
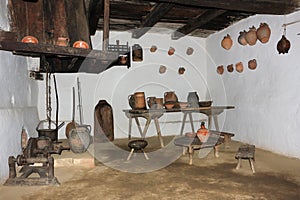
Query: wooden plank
x=18, y=17
x=105, y=26
x=255, y=6
x=37, y=50
x=158, y=11
x=95, y=10
x=48, y=22
x=196, y=23
x=77, y=24
x=59, y=20
x=35, y=20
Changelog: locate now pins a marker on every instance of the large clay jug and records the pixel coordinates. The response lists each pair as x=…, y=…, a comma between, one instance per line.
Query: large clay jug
x=251, y=36
x=80, y=139
x=140, y=101
x=193, y=99
x=227, y=42
x=263, y=33
x=170, y=97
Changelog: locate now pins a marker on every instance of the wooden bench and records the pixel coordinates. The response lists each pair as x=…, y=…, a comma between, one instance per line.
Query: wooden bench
x=246, y=152
x=192, y=144
x=227, y=138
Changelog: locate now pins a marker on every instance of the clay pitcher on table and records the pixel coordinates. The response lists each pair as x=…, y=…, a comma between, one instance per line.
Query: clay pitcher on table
x=151, y=101
x=170, y=97
x=137, y=100
x=193, y=99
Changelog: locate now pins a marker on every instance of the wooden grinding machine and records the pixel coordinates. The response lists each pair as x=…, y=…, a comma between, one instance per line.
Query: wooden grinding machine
x=36, y=152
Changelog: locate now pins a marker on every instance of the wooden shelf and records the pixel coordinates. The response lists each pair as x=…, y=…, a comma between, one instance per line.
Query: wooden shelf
x=37, y=50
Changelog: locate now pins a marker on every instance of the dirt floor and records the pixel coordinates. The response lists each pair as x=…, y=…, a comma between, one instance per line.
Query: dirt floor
x=276, y=177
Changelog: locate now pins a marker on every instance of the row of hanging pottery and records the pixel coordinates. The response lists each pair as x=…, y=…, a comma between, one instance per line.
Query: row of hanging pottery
x=171, y=51
x=239, y=67
x=250, y=37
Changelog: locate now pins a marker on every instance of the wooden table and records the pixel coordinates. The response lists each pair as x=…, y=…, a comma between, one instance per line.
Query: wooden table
x=154, y=114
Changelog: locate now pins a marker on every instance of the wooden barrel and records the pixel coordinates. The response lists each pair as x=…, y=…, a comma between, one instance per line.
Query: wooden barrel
x=103, y=122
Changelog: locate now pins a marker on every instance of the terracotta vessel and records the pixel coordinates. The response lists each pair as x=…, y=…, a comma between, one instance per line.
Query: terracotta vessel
x=239, y=67
x=62, y=41
x=230, y=68
x=162, y=69
x=181, y=70
x=252, y=64
x=251, y=36
x=153, y=48
x=227, y=42
x=80, y=139
x=30, y=39
x=189, y=51
x=81, y=44
x=220, y=69
x=171, y=51
x=263, y=33
x=283, y=45
x=242, y=38
x=137, y=100
x=170, y=97
x=159, y=102
x=193, y=99
x=151, y=101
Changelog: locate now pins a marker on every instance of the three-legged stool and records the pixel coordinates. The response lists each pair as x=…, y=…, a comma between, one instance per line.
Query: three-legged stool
x=246, y=152
x=136, y=145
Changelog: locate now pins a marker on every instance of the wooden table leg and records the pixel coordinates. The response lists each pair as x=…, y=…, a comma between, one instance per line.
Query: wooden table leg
x=191, y=153
x=138, y=125
x=146, y=127
x=192, y=122
x=183, y=123
x=130, y=126
x=158, y=132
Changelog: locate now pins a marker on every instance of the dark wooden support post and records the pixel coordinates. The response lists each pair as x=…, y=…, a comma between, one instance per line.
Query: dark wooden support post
x=105, y=26
x=94, y=14
x=196, y=23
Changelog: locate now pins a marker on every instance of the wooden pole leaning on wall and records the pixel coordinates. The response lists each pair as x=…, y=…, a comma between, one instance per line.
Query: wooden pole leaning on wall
x=106, y=26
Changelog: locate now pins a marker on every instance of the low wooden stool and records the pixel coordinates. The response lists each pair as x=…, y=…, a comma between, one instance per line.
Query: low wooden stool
x=246, y=152
x=136, y=145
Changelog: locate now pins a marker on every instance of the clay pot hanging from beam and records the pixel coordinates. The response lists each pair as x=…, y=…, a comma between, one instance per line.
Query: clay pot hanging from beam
x=227, y=42
x=252, y=64
x=263, y=33
x=220, y=69
x=251, y=36
x=239, y=67
x=242, y=38
x=230, y=68
x=283, y=45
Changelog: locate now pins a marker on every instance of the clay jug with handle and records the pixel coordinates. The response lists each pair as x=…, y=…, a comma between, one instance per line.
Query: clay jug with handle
x=170, y=97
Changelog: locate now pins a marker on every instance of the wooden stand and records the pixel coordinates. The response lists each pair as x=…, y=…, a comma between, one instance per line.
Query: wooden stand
x=246, y=152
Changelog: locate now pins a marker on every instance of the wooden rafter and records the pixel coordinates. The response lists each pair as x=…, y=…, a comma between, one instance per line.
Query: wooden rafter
x=193, y=24
x=255, y=6
x=95, y=9
x=158, y=11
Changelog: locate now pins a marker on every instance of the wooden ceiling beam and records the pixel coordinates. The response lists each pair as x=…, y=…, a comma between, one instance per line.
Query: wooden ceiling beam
x=196, y=23
x=96, y=8
x=253, y=6
x=157, y=12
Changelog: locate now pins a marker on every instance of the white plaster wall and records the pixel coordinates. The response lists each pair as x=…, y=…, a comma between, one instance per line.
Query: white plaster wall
x=117, y=83
x=266, y=99
x=18, y=102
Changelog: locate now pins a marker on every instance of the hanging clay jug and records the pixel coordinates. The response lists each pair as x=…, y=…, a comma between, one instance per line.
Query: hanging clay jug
x=242, y=38
x=251, y=36
x=227, y=42
x=170, y=97
x=283, y=45
x=239, y=67
x=153, y=48
x=162, y=69
x=220, y=69
x=230, y=68
x=181, y=70
x=171, y=51
x=189, y=51
x=263, y=33
x=252, y=64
